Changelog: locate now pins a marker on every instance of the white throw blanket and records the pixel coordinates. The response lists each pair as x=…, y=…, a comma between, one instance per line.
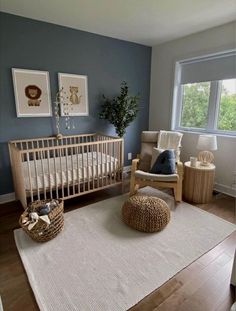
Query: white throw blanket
x=170, y=140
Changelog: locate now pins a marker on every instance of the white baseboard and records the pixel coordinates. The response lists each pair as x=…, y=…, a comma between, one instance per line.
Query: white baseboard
x=225, y=189
x=8, y=197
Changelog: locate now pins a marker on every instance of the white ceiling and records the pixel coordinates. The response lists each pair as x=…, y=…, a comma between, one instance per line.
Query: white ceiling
x=148, y=22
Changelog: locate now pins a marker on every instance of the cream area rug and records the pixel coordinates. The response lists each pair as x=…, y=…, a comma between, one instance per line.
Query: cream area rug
x=99, y=263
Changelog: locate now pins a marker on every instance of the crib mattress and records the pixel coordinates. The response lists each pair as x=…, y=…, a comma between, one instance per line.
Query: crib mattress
x=73, y=169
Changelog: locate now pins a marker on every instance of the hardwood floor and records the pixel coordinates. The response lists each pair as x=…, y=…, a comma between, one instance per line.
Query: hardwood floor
x=203, y=285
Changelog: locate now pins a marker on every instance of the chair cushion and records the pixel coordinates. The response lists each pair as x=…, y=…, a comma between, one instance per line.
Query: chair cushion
x=165, y=163
x=149, y=137
x=148, y=141
x=155, y=177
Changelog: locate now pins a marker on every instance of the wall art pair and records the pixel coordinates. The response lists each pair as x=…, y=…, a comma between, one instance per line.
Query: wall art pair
x=33, y=95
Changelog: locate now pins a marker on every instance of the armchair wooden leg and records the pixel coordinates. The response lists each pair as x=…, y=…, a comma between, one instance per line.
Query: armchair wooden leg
x=178, y=193
x=132, y=185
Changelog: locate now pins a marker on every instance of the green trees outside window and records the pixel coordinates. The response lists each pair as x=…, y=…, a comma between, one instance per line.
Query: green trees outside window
x=195, y=105
x=227, y=110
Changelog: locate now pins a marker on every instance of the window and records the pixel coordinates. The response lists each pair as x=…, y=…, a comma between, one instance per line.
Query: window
x=203, y=103
x=227, y=106
x=195, y=105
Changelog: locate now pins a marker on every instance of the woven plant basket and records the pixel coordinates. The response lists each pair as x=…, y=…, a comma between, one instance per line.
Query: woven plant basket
x=146, y=213
x=42, y=232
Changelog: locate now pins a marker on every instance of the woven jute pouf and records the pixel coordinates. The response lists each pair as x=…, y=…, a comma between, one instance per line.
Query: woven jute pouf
x=146, y=213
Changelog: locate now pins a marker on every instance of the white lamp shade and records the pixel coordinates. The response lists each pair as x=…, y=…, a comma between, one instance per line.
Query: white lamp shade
x=207, y=142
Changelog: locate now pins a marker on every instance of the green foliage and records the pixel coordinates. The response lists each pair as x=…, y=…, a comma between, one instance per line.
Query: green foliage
x=121, y=110
x=195, y=107
x=227, y=113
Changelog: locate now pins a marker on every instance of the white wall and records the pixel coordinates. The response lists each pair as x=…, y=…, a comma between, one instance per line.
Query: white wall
x=164, y=56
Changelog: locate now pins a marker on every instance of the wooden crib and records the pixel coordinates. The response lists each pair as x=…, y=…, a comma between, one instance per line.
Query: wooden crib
x=44, y=168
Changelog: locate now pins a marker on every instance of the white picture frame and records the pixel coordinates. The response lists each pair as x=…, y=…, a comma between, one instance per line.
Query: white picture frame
x=32, y=93
x=75, y=88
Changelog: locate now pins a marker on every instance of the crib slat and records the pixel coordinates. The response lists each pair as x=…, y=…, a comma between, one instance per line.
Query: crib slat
x=88, y=175
x=36, y=173
x=92, y=166
x=83, y=155
x=97, y=166
x=29, y=175
x=101, y=159
x=114, y=162
x=43, y=174
x=110, y=171
x=55, y=172
x=67, y=173
x=49, y=173
x=72, y=169
x=78, y=168
x=122, y=160
x=61, y=170
x=106, y=151
x=119, y=160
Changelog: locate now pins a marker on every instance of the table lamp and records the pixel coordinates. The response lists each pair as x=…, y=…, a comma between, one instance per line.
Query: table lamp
x=206, y=143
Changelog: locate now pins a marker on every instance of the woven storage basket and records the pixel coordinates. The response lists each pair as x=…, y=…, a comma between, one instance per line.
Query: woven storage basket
x=43, y=232
x=146, y=213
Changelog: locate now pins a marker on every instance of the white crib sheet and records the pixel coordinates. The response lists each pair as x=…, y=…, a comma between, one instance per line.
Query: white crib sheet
x=52, y=173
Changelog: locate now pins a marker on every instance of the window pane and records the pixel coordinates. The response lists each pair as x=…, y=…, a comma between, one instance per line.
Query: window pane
x=227, y=110
x=195, y=105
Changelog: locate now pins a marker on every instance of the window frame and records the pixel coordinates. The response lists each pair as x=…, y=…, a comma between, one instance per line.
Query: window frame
x=213, y=107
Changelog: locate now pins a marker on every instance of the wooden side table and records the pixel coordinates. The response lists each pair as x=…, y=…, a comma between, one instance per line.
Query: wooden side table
x=198, y=182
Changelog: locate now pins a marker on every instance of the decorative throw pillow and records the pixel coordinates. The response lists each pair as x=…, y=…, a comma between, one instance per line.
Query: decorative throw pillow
x=155, y=153
x=165, y=163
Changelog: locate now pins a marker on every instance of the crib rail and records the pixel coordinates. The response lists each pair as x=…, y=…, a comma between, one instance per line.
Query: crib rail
x=65, y=168
x=45, y=142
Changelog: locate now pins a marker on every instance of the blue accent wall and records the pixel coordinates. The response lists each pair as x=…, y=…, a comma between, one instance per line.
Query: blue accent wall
x=30, y=44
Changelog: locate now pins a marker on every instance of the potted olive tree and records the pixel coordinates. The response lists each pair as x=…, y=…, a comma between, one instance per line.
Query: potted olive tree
x=120, y=110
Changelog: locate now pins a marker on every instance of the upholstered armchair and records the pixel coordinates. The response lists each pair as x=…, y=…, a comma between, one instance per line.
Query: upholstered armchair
x=140, y=175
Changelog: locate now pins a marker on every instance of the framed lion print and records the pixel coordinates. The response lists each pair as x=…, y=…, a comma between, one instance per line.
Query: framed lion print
x=75, y=88
x=32, y=93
